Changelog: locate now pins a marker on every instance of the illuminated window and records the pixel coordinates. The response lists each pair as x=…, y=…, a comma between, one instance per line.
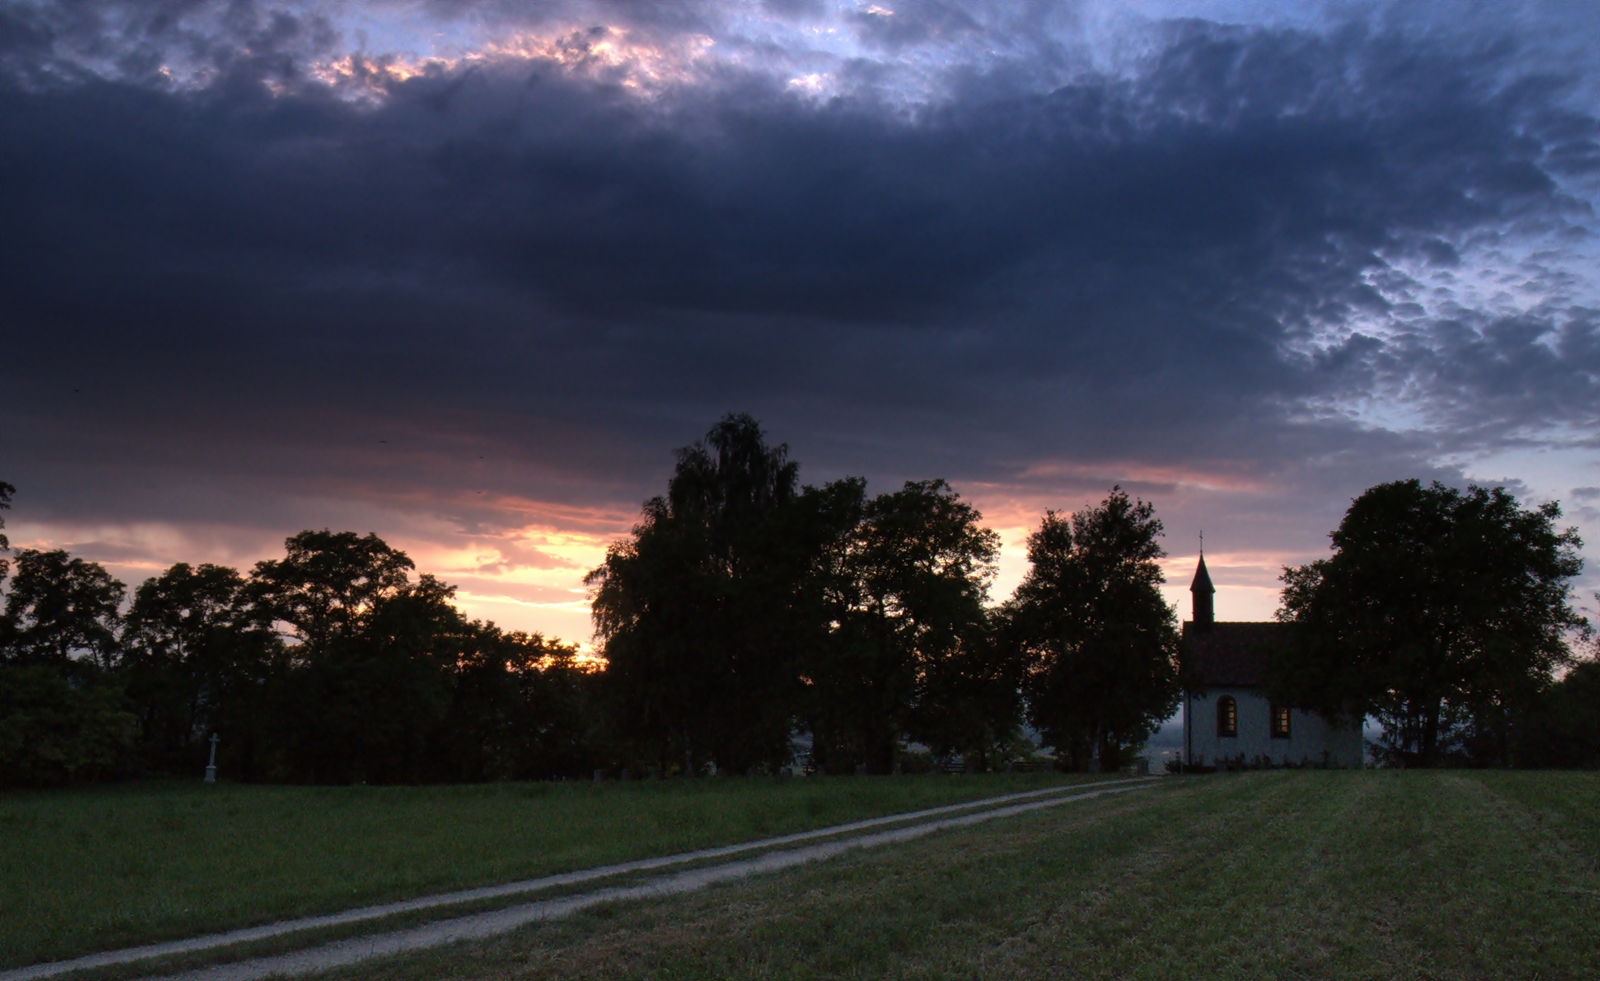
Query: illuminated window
x=1280, y=722
x=1227, y=716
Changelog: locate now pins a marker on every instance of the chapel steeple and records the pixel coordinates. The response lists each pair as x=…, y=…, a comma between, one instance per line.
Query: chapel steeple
x=1202, y=591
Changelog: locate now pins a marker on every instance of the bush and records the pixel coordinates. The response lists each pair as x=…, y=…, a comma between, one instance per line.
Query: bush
x=53, y=731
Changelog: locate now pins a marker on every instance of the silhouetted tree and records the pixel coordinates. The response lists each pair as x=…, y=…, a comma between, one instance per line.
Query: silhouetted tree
x=198, y=656
x=696, y=611
x=329, y=665
x=62, y=612
x=62, y=715
x=6, y=492
x=327, y=583
x=1098, y=639
x=1566, y=732
x=384, y=680
x=371, y=657
x=523, y=708
x=1441, y=612
x=909, y=653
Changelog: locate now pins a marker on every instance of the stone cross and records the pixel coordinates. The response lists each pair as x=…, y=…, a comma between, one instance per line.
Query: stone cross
x=211, y=767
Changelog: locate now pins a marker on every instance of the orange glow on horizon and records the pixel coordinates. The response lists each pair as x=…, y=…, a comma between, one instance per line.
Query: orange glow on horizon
x=1134, y=473
x=521, y=563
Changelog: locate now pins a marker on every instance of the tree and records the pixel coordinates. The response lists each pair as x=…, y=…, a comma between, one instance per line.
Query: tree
x=62, y=716
x=1443, y=612
x=697, y=611
x=1098, y=639
x=327, y=583
x=524, y=708
x=197, y=655
x=6, y=491
x=54, y=730
x=1567, y=732
x=372, y=660
x=373, y=676
x=385, y=690
x=61, y=611
x=909, y=652
x=743, y=604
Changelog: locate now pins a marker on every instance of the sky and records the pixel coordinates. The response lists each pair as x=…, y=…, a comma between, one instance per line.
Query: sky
x=466, y=274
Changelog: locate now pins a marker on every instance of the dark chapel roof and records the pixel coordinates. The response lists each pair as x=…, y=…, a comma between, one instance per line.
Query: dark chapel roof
x=1231, y=654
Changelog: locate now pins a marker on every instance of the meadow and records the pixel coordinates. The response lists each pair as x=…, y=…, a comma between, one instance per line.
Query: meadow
x=1376, y=874
x=98, y=868
x=1442, y=874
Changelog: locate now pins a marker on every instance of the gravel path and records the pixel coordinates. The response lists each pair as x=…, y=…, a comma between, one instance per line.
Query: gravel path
x=480, y=925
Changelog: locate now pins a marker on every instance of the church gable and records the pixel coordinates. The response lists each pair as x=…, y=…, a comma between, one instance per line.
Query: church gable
x=1231, y=654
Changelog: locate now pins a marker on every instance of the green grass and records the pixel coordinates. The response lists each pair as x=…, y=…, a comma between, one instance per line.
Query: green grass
x=102, y=868
x=1267, y=875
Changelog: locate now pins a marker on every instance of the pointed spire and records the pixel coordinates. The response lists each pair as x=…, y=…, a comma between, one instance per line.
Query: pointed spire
x=1202, y=591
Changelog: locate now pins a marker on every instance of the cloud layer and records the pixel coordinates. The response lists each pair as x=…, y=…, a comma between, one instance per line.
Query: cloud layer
x=483, y=268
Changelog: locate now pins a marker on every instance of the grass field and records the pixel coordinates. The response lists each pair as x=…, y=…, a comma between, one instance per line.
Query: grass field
x=1448, y=874
x=97, y=869
x=1266, y=875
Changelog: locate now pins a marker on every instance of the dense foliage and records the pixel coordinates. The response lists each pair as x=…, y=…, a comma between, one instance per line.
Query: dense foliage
x=1445, y=614
x=698, y=613
x=745, y=606
x=905, y=652
x=330, y=665
x=1090, y=619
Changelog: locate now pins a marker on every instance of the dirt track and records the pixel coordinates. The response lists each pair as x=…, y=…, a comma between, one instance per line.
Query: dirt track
x=480, y=925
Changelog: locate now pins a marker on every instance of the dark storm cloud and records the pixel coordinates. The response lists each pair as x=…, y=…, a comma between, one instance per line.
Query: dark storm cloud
x=1196, y=263
x=42, y=43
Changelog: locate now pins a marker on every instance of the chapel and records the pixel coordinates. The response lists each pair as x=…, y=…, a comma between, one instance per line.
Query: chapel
x=1228, y=718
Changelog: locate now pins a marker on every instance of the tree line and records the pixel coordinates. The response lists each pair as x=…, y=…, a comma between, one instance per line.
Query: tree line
x=745, y=613
x=330, y=665
x=748, y=614
x=746, y=607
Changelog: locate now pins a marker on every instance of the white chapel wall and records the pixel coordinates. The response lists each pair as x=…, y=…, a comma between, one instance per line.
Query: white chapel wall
x=1309, y=734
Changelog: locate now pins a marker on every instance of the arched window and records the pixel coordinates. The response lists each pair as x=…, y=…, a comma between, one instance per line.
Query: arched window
x=1227, y=716
x=1280, y=722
